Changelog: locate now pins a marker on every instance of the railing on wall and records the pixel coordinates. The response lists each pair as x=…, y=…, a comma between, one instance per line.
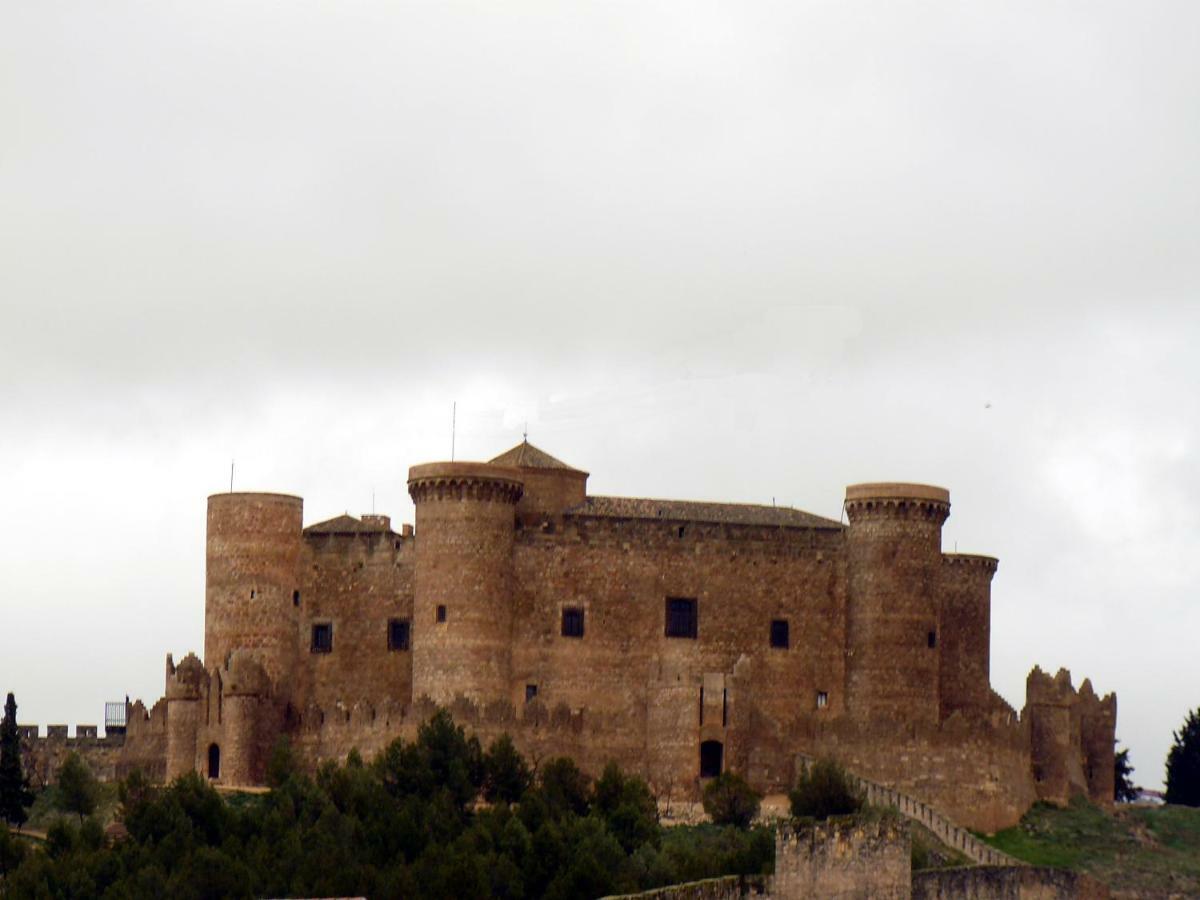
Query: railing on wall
x=947, y=832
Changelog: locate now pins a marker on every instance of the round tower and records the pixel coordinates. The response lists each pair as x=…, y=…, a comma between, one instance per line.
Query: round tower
x=253, y=568
x=462, y=603
x=249, y=730
x=965, y=639
x=894, y=560
x=185, y=684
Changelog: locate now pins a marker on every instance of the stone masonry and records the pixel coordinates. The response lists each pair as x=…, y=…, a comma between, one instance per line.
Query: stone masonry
x=679, y=639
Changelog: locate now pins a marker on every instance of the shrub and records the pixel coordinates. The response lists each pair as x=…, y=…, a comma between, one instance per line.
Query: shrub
x=823, y=790
x=506, y=776
x=728, y=800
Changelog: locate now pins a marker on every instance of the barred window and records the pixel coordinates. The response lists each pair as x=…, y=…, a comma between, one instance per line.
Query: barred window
x=572, y=622
x=681, y=617
x=322, y=637
x=398, y=634
x=779, y=634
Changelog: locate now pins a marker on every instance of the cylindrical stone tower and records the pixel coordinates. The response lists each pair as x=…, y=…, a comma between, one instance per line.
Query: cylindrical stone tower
x=253, y=568
x=965, y=632
x=248, y=730
x=185, y=683
x=462, y=604
x=894, y=561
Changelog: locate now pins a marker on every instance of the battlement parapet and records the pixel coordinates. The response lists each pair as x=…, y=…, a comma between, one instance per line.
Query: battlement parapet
x=464, y=481
x=896, y=500
x=186, y=680
x=986, y=564
x=61, y=734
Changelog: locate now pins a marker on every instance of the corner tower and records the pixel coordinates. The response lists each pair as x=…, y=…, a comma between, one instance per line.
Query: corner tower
x=252, y=577
x=894, y=562
x=463, y=581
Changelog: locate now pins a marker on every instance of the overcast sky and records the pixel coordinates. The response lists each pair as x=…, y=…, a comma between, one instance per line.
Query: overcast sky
x=734, y=251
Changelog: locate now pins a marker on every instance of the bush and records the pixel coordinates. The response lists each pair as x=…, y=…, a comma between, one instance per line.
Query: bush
x=76, y=787
x=728, y=800
x=627, y=807
x=823, y=790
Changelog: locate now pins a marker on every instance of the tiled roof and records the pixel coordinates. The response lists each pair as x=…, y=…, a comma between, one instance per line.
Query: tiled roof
x=527, y=456
x=344, y=524
x=695, y=511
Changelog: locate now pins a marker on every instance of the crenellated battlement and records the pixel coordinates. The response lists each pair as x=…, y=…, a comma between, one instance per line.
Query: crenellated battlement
x=971, y=561
x=894, y=500
x=464, y=481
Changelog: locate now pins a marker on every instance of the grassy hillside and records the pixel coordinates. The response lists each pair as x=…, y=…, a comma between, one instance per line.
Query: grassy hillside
x=1138, y=851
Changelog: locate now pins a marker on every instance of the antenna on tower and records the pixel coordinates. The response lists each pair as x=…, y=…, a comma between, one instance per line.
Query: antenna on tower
x=231, y=476
x=525, y=433
x=453, y=427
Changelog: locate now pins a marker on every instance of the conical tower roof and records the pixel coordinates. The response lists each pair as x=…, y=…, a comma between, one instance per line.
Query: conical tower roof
x=527, y=456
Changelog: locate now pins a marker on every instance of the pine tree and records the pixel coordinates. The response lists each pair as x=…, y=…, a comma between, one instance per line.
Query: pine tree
x=15, y=795
x=1183, y=763
x=1124, y=790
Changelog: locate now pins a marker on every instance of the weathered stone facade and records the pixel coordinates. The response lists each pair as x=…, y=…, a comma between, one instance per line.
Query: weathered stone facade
x=676, y=638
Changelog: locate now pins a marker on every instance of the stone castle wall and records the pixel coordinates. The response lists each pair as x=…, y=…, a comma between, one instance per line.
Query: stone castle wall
x=341, y=636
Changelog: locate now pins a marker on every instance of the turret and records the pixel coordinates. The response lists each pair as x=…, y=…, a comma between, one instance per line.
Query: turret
x=249, y=728
x=894, y=560
x=964, y=633
x=252, y=580
x=462, y=605
x=185, y=685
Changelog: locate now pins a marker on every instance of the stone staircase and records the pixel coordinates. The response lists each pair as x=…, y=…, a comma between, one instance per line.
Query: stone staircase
x=946, y=831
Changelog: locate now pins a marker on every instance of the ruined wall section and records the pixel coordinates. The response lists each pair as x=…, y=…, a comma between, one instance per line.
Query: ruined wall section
x=253, y=559
x=964, y=633
x=620, y=573
x=894, y=566
x=1071, y=738
x=355, y=581
x=848, y=859
x=145, y=740
x=42, y=757
x=462, y=599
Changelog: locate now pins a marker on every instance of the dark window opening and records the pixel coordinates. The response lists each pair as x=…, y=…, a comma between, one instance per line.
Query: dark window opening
x=322, y=638
x=251, y=593
x=295, y=598
x=822, y=699
x=931, y=639
x=214, y=761
x=711, y=757
x=572, y=622
x=398, y=634
x=682, y=529
x=441, y=613
x=779, y=633
x=530, y=692
x=681, y=617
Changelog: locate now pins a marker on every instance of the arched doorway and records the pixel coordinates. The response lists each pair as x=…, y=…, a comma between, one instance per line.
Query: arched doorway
x=214, y=761
x=711, y=757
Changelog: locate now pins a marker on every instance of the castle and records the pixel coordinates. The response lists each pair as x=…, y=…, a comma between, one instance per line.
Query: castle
x=680, y=639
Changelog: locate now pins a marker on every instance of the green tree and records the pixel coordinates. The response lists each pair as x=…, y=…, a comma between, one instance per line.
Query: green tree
x=627, y=807
x=564, y=788
x=1124, y=790
x=1183, y=763
x=823, y=790
x=15, y=795
x=506, y=775
x=76, y=787
x=728, y=800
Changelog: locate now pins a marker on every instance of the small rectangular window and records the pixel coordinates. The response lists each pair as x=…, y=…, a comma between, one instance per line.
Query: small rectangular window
x=572, y=622
x=681, y=617
x=931, y=639
x=398, y=634
x=822, y=699
x=441, y=613
x=530, y=692
x=322, y=638
x=779, y=633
